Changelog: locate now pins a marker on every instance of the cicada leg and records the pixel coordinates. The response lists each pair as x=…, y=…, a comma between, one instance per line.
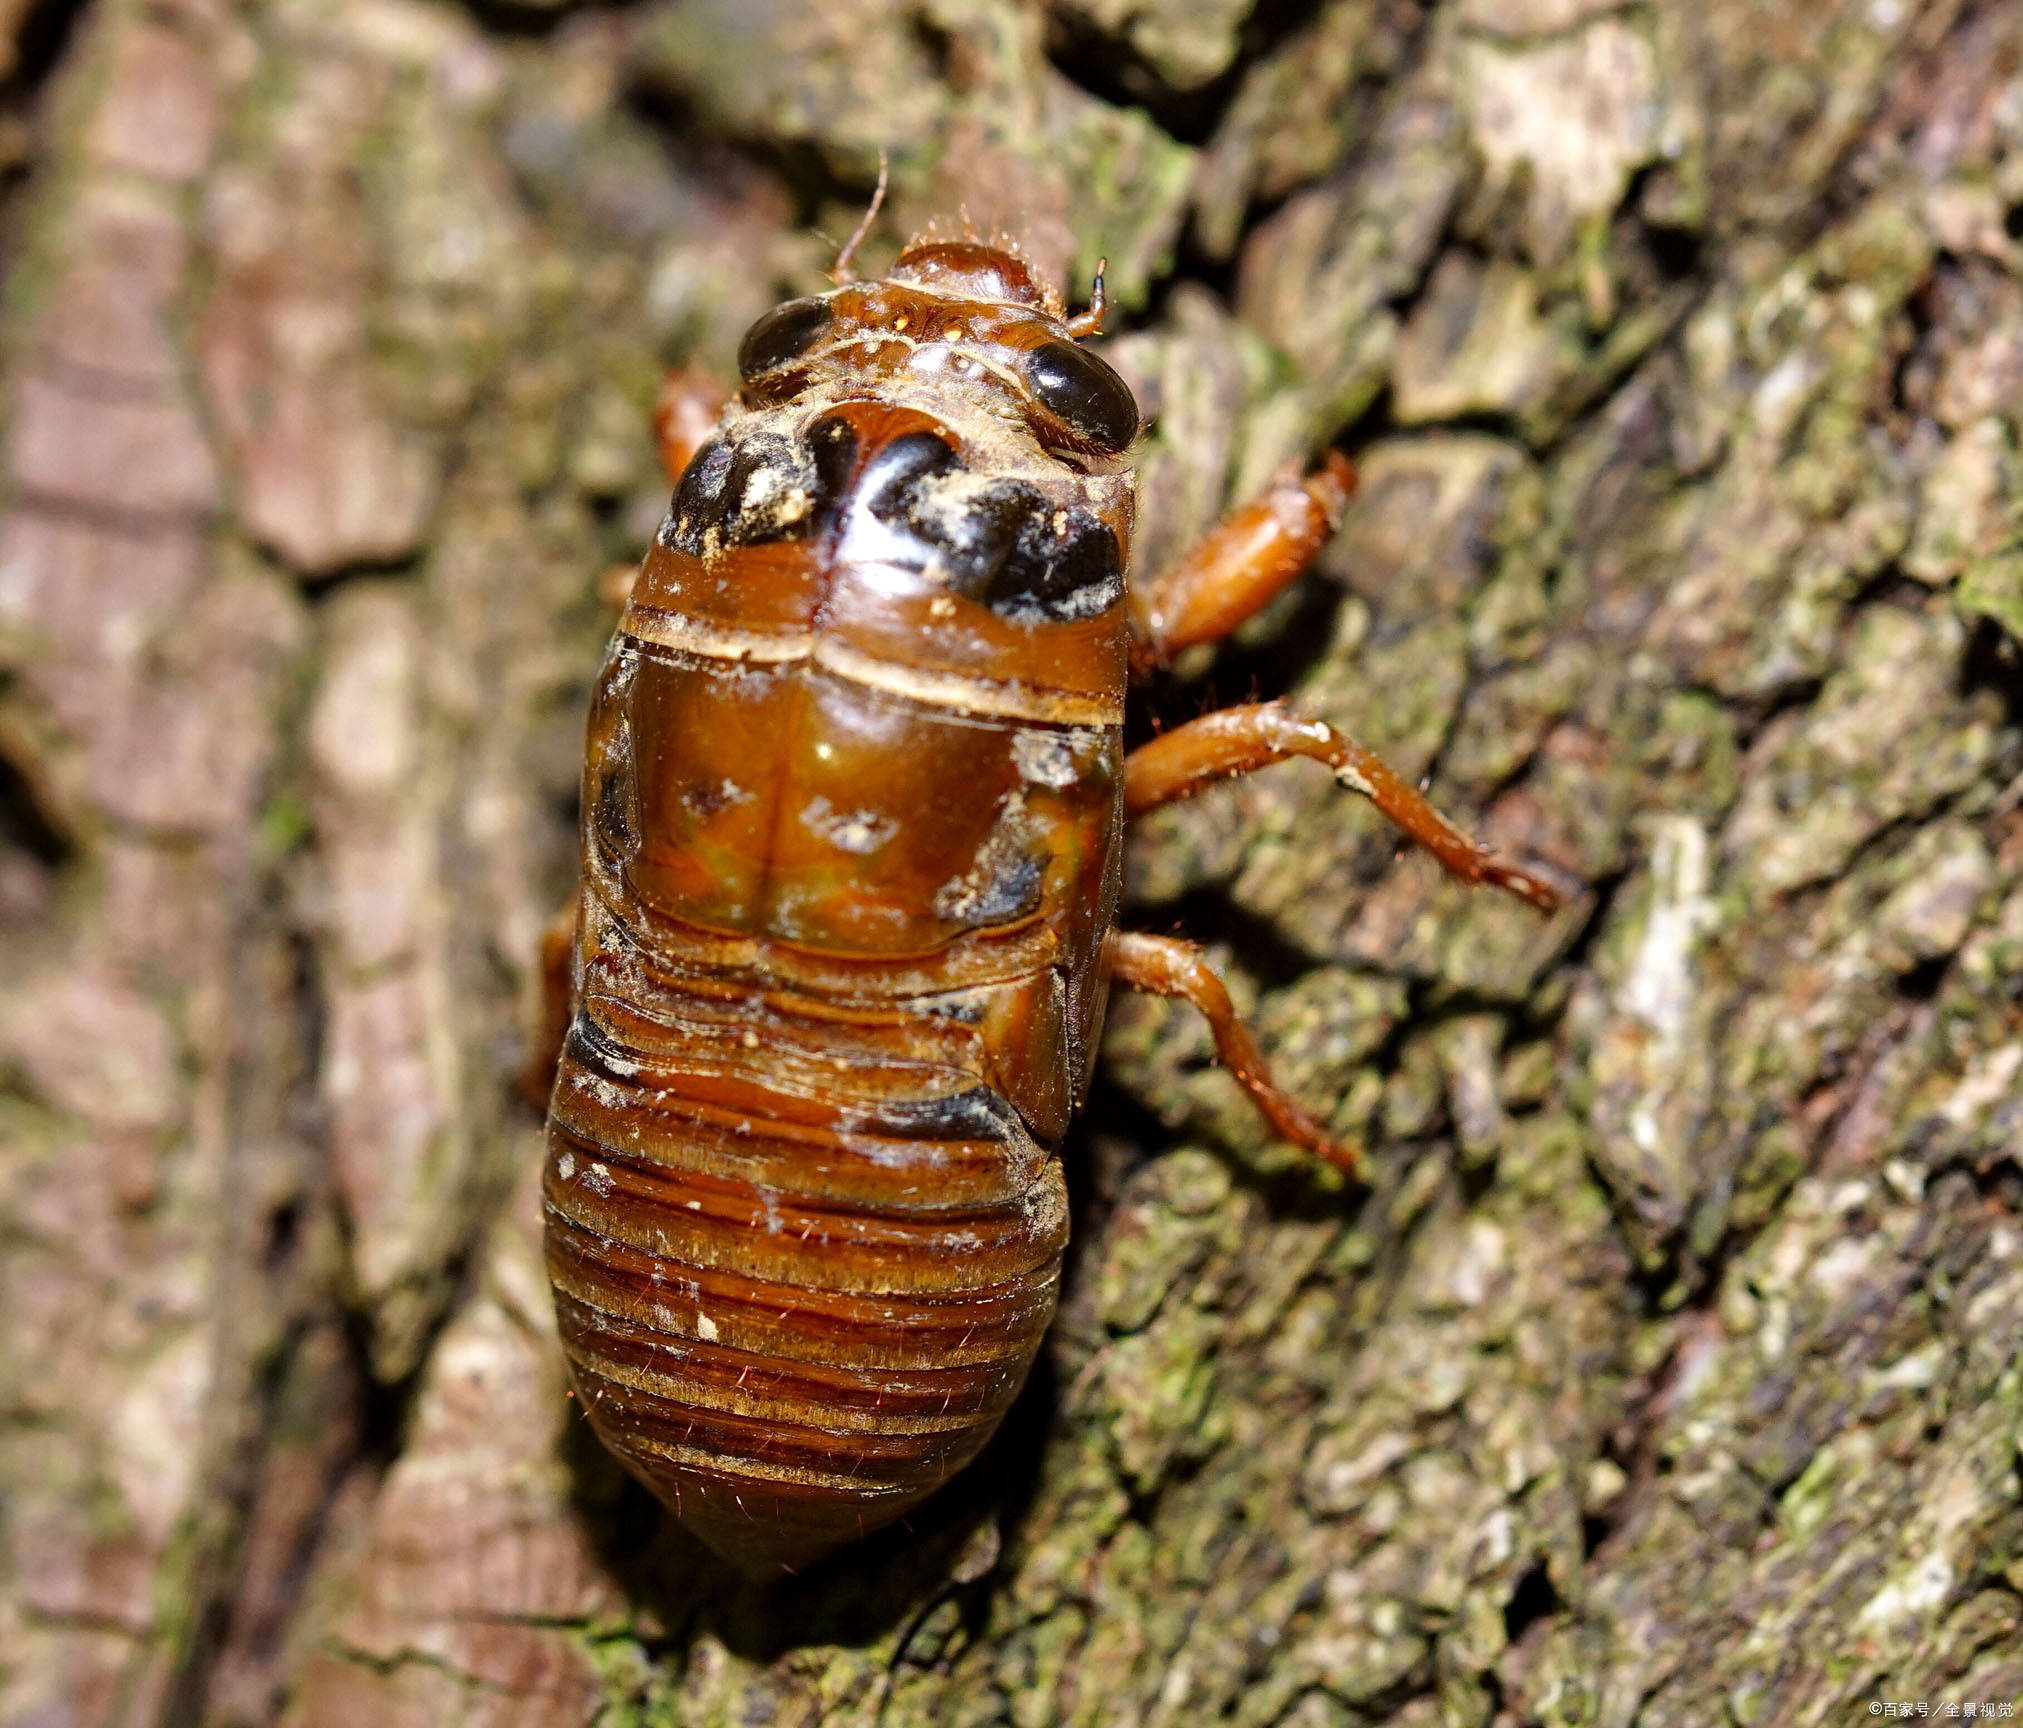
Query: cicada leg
x=685, y=412
x=1249, y=558
x=1241, y=564
x=554, y=1007
x=1233, y=741
x=1166, y=967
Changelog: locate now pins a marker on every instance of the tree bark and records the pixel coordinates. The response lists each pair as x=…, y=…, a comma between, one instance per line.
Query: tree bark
x=1668, y=1372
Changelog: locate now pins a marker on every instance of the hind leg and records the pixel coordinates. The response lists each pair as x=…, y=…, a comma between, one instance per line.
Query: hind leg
x=1165, y=967
x=554, y=1006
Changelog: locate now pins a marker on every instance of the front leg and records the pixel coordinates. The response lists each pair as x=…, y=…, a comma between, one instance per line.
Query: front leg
x=685, y=413
x=1235, y=741
x=1244, y=562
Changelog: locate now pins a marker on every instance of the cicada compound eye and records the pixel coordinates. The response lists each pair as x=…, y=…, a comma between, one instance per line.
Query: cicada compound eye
x=1083, y=391
x=783, y=334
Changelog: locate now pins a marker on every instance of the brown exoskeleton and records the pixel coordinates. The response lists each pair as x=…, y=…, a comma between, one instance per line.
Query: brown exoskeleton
x=852, y=810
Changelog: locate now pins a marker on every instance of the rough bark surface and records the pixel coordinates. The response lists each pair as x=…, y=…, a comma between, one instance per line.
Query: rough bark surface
x=1669, y=1373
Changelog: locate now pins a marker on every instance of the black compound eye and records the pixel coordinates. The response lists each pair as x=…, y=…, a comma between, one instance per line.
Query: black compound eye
x=1084, y=392
x=781, y=335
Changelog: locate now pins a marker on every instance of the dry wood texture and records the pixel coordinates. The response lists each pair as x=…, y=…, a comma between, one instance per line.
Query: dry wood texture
x=1668, y=1374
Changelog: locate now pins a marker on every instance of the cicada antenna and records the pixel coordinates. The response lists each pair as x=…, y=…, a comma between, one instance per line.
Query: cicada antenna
x=1089, y=322
x=843, y=270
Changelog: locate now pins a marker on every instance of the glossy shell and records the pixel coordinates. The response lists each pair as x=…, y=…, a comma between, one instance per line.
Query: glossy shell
x=850, y=848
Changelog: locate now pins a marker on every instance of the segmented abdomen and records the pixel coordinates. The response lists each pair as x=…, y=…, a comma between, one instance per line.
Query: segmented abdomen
x=792, y=1310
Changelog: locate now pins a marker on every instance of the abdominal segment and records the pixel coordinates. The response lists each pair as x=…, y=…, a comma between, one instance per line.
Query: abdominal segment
x=792, y=1316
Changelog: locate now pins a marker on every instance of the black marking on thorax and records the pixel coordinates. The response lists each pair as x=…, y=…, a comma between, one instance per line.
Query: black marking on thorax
x=997, y=540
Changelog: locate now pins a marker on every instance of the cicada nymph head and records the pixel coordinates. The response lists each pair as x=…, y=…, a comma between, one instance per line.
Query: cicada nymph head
x=944, y=438
x=973, y=315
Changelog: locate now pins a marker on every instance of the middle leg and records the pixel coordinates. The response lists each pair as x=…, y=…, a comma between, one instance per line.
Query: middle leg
x=1234, y=741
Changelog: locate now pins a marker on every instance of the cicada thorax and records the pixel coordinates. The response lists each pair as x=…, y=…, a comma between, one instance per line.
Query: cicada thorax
x=851, y=821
